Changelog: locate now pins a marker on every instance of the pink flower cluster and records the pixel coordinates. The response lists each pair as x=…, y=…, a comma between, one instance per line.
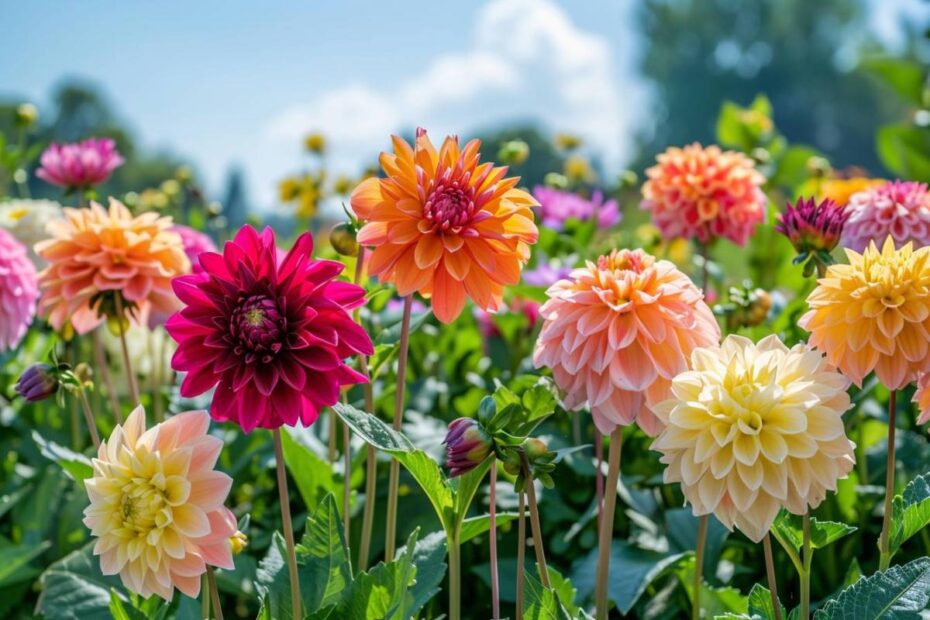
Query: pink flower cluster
x=81, y=164
x=898, y=208
x=558, y=206
x=18, y=291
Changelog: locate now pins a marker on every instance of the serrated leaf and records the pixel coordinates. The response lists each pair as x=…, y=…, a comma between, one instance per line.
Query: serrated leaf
x=429, y=559
x=788, y=527
x=760, y=603
x=383, y=593
x=899, y=593
x=910, y=511
x=541, y=603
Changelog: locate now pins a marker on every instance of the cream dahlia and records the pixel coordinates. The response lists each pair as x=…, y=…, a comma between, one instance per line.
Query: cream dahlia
x=617, y=331
x=27, y=221
x=156, y=505
x=755, y=427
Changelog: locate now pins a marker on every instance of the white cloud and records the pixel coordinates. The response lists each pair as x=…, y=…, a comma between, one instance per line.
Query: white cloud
x=525, y=59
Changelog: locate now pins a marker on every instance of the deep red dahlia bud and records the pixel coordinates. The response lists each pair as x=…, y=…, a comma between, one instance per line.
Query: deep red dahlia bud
x=38, y=382
x=467, y=445
x=813, y=227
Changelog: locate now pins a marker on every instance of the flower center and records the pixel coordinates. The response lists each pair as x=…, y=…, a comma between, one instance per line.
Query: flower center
x=450, y=206
x=257, y=326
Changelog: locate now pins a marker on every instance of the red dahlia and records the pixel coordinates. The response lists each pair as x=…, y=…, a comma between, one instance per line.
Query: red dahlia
x=270, y=332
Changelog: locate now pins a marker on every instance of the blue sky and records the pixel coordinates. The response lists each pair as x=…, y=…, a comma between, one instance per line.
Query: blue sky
x=240, y=82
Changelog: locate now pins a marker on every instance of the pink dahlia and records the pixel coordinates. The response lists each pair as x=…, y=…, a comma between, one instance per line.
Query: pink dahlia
x=556, y=207
x=81, y=164
x=617, y=331
x=898, y=208
x=704, y=193
x=18, y=291
x=195, y=243
x=270, y=332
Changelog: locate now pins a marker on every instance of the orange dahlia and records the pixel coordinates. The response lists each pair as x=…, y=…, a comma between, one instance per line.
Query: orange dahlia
x=444, y=225
x=704, y=193
x=874, y=314
x=95, y=254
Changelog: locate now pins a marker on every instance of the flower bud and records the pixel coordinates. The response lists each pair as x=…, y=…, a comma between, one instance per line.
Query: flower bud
x=514, y=152
x=534, y=448
x=813, y=229
x=238, y=541
x=342, y=238
x=467, y=445
x=38, y=382
x=315, y=143
x=26, y=115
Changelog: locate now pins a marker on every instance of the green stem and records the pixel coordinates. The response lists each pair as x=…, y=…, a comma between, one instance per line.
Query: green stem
x=607, y=523
x=492, y=542
x=104, y=368
x=521, y=551
x=368, y=517
x=534, y=522
x=214, y=594
x=394, y=479
x=205, y=598
x=286, y=523
x=808, y=557
x=89, y=418
x=884, y=543
x=455, y=580
x=770, y=575
x=700, y=544
x=130, y=375
x=347, y=480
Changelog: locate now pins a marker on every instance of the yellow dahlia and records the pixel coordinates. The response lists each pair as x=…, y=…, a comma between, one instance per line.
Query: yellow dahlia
x=444, y=225
x=95, y=254
x=841, y=190
x=874, y=314
x=156, y=505
x=754, y=427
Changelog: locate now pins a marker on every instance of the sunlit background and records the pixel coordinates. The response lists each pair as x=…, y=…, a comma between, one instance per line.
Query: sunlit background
x=233, y=89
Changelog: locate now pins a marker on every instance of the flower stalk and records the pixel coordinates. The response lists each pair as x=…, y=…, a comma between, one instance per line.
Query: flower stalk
x=104, y=369
x=214, y=594
x=394, y=478
x=807, y=557
x=534, y=521
x=521, y=552
x=699, y=566
x=286, y=523
x=605, y=537
x=884, y=543
x=492, y=542
x=130, y=375
x=770, y=575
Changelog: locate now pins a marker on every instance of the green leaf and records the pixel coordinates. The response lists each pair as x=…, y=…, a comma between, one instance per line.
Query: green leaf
x=475, y=526
x=542, y=603
x=788, y=528
x=760, y=603
x=904, y=150
x=464, y=488
x=373, y=430
x=121, y=611
x=77, y=466
x=899, y=593
x=323, y=566
x=74, y=587
x=384, y=592
x=905, y=77
x=429, y=559
x=9, y=500
x=391, y=335
x=910, y=511
x=314, y=476
x=14, y=558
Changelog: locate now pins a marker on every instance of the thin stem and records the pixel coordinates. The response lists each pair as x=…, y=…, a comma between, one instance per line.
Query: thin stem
x=347, y=479
x=76, y=443
x=576, y=429
x=770, y=575
x=492, y=541
x=89, y=418
x=130, y=375
x=704, y=271
x=286, y=523
x=394, y=479
x=331, y=448
x=455, y=581
x=605, y=539
x=599, y=474
x=808, y=556
x=104, y=368
x=699, y=566
x=534, y=522
x=205, y=598
x=214, y=594
x=884, y=544
x=521, y=552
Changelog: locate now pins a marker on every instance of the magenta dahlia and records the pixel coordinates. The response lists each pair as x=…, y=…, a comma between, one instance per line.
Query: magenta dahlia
x=79, y=165
x=18, y=291
x=270, y=332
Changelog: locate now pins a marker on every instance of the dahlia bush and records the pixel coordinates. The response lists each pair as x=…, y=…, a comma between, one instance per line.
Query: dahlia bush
x=505, y=380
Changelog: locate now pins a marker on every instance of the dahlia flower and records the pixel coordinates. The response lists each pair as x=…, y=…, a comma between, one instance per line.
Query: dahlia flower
x=704, y=193
x=922, y=398
x=874, y=314
x=156, y=505
x=95, y=254
x=270, y=332
x=18, y=291
x=814, y=230
x=27, y=220
x=467, y=445
x=194, y=243
x=81, y=164
x=754, y=427
x=445, y=226
x=617, y=331
x=558, y=206
x=899, y=208
x=841, y=190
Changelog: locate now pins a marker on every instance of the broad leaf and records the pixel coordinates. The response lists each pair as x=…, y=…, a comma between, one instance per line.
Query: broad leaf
x=373, y=430
x=429, y=559
x=475, y=526
x=899, y=593
x=314, y=476
x=910, y=511
x=391, y=335
x=788, y=528
x=74, y=587
x=760, y=604
x=384, y=592
x=76, y=465
x=15, y=558
x=542, y=603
